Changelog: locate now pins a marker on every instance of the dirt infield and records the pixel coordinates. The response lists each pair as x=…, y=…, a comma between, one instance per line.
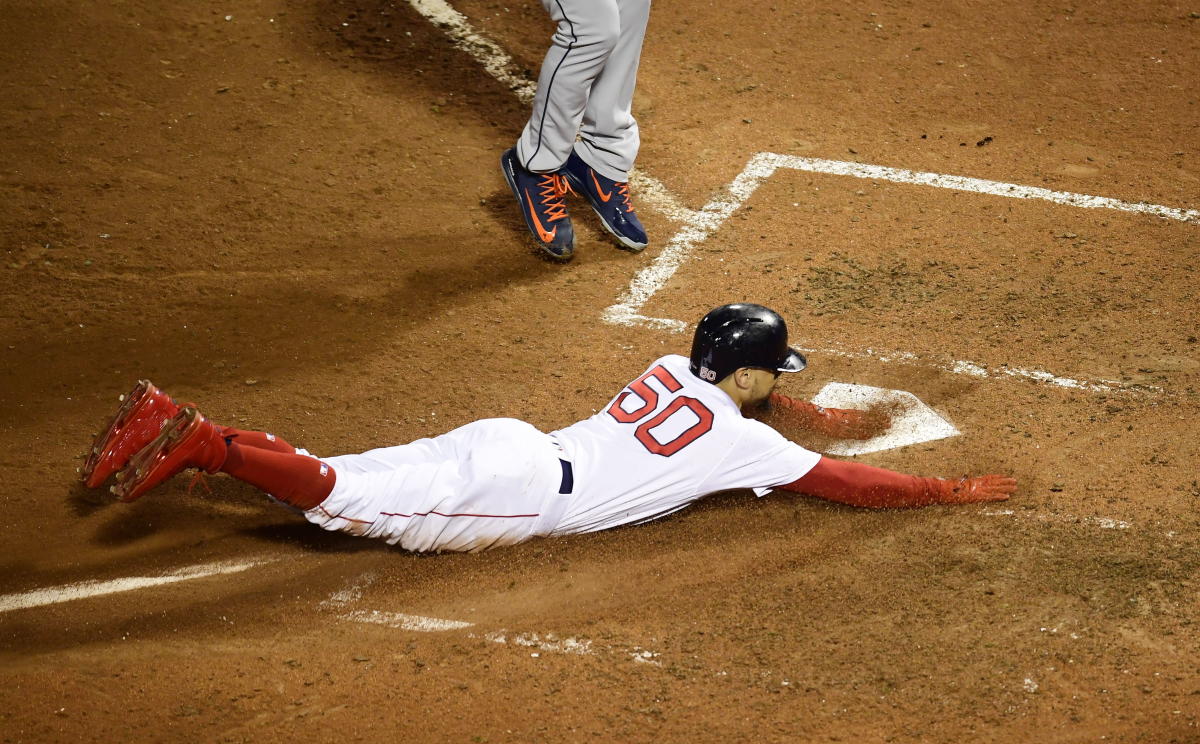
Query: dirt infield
x=292, y=213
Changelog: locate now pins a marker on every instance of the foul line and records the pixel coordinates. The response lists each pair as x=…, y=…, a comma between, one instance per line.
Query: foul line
x=698, y=226
x=83, y=590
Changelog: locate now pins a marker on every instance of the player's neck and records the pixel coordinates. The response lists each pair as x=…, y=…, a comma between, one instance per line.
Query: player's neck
x=730, y=388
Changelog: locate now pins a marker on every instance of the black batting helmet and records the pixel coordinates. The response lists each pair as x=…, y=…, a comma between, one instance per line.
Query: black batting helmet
x=742, y=335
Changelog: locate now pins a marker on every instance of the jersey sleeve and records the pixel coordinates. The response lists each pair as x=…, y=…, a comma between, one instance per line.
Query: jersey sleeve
x=763, y=459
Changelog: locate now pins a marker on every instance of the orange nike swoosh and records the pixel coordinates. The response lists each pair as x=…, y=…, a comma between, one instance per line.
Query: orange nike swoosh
x=603, y=196
x=541, y=231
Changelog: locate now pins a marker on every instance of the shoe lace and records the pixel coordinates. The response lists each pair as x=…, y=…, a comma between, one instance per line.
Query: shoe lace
x=199, y=478
x=553, y=187
x=623, y=190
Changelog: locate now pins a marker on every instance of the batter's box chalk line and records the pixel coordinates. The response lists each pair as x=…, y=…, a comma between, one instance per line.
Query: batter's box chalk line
x=647, y=282
x=539, y=642
x=1104, y=523
x=404, y=621
x=697, y=226
x=87, y=589
x=551, y=643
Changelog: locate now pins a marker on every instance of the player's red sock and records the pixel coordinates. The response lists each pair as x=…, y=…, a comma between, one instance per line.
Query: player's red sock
x=258, y=439
x=294, y=479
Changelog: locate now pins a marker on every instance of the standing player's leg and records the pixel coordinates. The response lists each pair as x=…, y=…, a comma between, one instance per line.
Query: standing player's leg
x=586, y=33
x=598, y=167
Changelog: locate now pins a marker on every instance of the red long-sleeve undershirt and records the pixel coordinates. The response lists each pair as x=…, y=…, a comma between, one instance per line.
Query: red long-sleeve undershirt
x=863, y=485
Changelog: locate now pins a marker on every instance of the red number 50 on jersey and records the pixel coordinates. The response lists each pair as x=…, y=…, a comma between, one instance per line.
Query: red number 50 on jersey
x=649, y=397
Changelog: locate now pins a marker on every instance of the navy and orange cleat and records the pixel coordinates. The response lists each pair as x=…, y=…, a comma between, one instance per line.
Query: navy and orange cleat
x=188, y=440
x=140, y=417
x=541, y=198
x=610, y=201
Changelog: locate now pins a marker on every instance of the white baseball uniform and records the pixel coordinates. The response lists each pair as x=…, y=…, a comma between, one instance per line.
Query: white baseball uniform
x=666, y=440
x=586, y=87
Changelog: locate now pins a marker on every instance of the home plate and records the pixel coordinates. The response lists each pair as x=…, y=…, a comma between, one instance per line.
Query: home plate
x=913, y=422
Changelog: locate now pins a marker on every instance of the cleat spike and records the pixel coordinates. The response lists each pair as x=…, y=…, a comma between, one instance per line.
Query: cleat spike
x=138, y=419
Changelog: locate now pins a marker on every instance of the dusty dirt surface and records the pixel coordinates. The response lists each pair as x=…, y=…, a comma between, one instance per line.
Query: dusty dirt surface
x=291, y=212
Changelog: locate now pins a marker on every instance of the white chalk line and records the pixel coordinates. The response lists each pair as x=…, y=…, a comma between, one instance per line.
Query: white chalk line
x=485, y=51
x=500, y=65
x=647, y=282
x=551, y=643
x=539, y=642
x=1104, y=523
x=351, y=593
x=764, y=164
x=86, y=589
x=699, y=225
x=971, y=369
x=404, y=621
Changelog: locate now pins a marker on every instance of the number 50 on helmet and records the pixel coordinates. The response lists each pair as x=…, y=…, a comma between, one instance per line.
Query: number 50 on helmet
x=742, y=335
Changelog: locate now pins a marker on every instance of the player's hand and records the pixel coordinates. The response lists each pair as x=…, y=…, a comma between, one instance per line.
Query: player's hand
x=835, y=423
x=980, y=489
x=849, y=423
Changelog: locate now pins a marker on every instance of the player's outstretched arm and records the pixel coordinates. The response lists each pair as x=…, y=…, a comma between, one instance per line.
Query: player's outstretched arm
x=863, y=485
x=785, y=414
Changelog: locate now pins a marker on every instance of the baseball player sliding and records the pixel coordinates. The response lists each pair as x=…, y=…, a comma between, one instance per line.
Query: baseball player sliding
x=681, y=430
x=585, y=89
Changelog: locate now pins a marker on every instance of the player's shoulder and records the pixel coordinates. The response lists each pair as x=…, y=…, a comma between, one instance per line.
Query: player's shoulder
x=677, y=364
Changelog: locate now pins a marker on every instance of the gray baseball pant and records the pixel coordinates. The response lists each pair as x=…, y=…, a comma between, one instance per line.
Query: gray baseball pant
x=586, y=88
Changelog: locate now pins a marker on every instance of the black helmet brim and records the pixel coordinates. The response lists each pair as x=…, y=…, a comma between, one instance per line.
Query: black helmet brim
x=793, y=362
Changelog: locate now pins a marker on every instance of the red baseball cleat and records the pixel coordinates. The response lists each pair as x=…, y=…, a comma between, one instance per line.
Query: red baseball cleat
x=187, y=441
x=138, y=421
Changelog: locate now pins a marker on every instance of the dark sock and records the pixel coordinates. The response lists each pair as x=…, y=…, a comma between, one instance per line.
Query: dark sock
x=294, y=479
